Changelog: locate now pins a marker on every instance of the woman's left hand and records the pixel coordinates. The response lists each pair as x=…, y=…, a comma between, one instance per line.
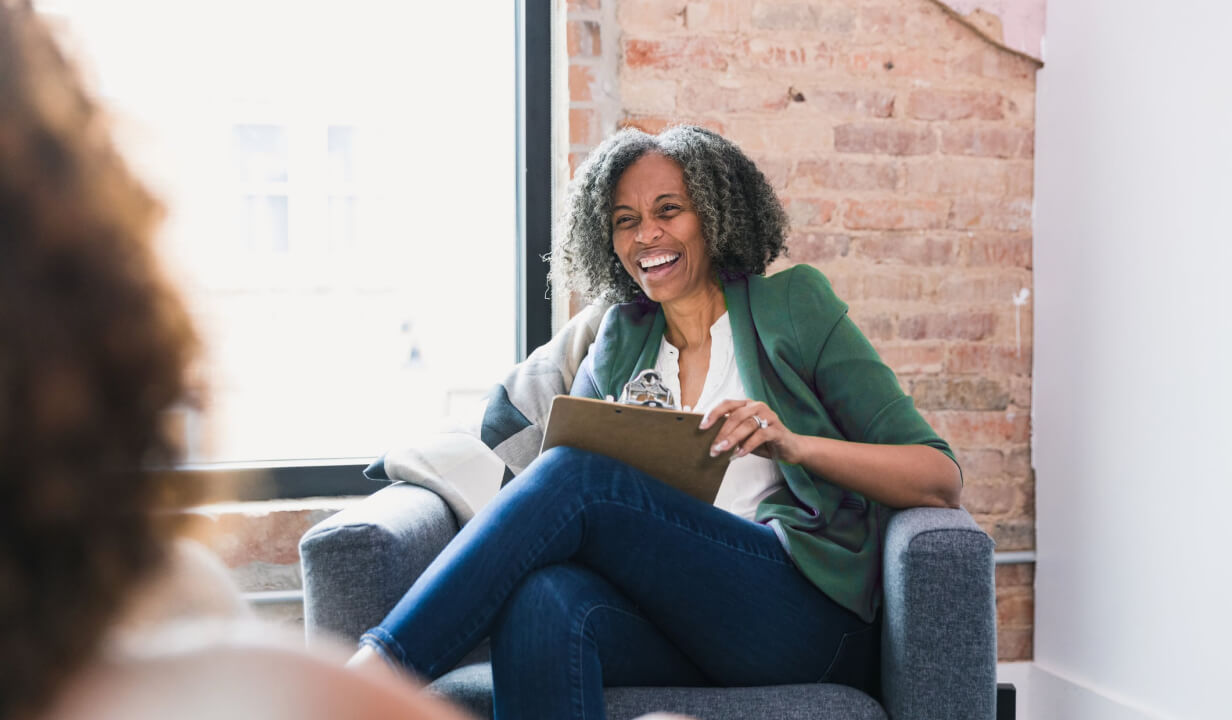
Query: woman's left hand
x=750, y=427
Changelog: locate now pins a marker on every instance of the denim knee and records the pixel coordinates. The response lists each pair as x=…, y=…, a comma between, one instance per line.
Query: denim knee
x=543, y=602
x=569, y=470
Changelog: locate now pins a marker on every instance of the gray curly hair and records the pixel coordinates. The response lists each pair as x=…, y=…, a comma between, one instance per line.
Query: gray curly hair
x=742, y=220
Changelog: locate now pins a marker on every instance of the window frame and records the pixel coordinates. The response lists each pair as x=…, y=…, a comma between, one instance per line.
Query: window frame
x=292, y=479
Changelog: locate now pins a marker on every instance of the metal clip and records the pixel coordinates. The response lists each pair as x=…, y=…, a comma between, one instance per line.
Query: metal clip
x=648, y=389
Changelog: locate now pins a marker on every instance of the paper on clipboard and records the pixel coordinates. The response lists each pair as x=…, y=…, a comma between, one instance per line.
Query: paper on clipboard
x=661, y=442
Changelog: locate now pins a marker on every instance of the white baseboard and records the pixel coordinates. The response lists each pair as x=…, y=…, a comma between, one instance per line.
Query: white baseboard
x=1044, y=694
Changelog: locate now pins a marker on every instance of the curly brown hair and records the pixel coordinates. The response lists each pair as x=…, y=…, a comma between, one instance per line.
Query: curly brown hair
x=94, y=346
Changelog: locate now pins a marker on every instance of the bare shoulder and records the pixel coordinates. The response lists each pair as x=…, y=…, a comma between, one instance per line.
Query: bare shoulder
x=242, y=679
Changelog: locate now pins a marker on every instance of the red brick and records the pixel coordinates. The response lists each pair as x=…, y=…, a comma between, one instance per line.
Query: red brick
x=996, y=64
x=885, y=139
x=981, y=463
x=654, y=124
x=582, y=38
x=846, y=174
x=996, y=289
x=582, y=5
x=845, y=284
x=797, y=18
x=818, y=247
x=1028, y=145
x=1018, y=462
x=948, y=325
x=702, y=95
x=882, y=22
x=714, y=16
x=1012, y=533
x=957, y=176
x=1020, y=390
x=876, y=327
x=240, y=537
x=582, y=127
x=761, y=53
x=650, y=16
x=581, y=79
x=849, y=104
x=777, y=134
x=1001, y=251
x=1015, y=575
x=905, y=249
x=1001, y=142
x=804, y=212
x=1021, y=177
x=1015, y=609
x=978, y=427
x=698, y=53
x=895, y=214
x=913, y=357
x=970, y=213
x=1014, y=645
x=892, y=285
x=775, y=169
x=906, y=63
x=955, y=105
x=960, y=393
x=994, y=499
x=982, y=359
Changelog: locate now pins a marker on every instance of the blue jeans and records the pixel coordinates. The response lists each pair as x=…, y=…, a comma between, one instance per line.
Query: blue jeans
x=587, y=573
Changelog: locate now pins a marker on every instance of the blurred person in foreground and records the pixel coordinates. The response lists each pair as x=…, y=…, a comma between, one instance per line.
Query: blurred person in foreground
x=96, y=601
x=588, y=573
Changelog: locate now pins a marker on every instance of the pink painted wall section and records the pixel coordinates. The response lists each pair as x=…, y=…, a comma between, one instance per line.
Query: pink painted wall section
x=1015, y=24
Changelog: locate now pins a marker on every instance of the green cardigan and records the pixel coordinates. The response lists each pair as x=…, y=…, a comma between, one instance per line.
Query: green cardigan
x=798, y=352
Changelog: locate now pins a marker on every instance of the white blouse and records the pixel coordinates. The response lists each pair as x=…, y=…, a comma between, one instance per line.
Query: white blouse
x=749, y=479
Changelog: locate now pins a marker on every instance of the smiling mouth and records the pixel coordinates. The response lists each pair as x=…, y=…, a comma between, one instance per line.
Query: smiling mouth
x=658, y=262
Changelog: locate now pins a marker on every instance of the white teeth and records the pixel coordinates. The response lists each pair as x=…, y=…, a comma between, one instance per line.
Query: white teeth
x=657, y=260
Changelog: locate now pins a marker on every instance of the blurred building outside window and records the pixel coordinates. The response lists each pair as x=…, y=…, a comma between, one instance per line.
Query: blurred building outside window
x=339, y=179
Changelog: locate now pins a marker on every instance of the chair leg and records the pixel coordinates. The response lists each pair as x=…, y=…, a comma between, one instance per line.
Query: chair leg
x=1006, y=701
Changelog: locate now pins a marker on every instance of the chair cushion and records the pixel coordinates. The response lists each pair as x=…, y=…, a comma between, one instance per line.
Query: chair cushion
x=471, y=687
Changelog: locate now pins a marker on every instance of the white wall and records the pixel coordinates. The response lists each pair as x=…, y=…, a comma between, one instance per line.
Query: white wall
x=1133, y=358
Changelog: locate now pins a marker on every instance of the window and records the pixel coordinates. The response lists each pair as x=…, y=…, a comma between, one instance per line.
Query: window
x=341, y=186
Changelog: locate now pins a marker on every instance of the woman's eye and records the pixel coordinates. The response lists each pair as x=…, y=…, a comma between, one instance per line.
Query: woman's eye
x=624, y=220
x=668, y=209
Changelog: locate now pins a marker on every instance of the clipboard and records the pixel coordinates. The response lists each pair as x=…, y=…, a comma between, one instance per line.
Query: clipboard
x=661, y=442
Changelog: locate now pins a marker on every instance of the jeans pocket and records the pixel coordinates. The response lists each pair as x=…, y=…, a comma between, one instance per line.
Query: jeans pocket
x=857, y=660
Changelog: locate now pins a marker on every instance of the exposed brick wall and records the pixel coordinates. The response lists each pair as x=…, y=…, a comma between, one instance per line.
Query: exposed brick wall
x=901, y=142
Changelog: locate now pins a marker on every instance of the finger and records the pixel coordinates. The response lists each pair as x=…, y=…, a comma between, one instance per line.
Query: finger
x=719, y=411
x=758, y=440
x=738, y=426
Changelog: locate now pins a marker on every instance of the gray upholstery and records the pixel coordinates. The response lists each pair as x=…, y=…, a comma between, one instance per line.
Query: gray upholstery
x=938, y=637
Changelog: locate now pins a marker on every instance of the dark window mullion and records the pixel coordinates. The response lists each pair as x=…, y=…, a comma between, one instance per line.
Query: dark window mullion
x=534, y=67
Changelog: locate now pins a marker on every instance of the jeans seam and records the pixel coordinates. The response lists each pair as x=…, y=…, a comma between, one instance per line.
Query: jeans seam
x=580, y=634
x=385, y=645
x=839, y=651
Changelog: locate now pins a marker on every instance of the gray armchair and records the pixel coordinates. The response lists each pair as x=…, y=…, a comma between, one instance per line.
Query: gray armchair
x=938, y=656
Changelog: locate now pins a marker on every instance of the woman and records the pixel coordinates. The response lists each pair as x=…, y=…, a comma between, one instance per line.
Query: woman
x=94, y=350
x=588, y=573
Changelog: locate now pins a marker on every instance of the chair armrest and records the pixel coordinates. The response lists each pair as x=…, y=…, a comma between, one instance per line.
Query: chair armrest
x=939, y=640
x=359, y=562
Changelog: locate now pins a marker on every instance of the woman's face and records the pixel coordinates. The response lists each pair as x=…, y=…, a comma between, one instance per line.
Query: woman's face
x=656, y=233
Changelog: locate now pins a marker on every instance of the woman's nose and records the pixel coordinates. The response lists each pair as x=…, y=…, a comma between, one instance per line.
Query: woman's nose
x=649, y=232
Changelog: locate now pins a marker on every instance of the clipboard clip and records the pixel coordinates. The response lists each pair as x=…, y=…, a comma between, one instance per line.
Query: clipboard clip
x=648, y=389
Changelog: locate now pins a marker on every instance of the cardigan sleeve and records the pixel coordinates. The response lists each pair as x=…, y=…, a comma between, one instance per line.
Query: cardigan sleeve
x=859, y=391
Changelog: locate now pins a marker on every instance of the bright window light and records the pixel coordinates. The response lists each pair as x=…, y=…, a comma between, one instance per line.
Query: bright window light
x=340, y=184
